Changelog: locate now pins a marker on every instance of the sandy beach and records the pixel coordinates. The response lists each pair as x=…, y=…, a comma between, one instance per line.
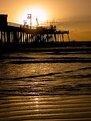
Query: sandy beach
x=45, y=86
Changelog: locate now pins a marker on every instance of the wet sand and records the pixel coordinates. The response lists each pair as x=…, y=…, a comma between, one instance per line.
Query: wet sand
x=45, y=86
x=45, y=108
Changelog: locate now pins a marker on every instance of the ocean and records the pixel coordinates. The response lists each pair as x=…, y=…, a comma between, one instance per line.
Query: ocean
x=45, y=86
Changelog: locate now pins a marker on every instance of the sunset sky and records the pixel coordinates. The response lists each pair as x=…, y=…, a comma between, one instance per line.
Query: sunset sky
x=72, y=15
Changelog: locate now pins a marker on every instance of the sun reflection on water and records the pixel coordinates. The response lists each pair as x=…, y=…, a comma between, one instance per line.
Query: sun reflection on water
x=36, y=101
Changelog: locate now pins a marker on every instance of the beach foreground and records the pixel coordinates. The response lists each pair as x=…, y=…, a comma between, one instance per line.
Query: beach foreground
x=48, y=108
x=45, y=86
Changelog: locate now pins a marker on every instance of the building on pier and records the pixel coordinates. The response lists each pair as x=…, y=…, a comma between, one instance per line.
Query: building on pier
x=15, y=33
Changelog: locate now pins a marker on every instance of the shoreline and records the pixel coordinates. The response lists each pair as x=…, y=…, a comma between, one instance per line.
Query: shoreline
x=46, y=47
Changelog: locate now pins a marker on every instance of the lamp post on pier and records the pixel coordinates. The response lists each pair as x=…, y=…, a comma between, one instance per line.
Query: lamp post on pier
x=29, y=16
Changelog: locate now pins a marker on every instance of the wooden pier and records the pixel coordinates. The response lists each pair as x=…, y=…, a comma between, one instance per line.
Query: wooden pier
x=20, y=34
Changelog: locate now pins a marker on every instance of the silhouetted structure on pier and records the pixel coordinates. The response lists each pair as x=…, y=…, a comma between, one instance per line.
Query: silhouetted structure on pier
x=20, y=34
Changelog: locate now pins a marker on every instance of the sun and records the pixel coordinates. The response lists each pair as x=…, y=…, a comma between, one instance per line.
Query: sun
x=38, y=17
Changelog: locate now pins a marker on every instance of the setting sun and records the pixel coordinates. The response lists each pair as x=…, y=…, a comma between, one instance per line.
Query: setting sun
x=38, y=16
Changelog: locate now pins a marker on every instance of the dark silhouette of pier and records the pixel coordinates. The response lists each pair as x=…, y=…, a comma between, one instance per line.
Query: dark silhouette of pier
x=24, y=34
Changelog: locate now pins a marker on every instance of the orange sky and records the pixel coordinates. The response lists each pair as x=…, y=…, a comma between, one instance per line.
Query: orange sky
x=74, y=15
